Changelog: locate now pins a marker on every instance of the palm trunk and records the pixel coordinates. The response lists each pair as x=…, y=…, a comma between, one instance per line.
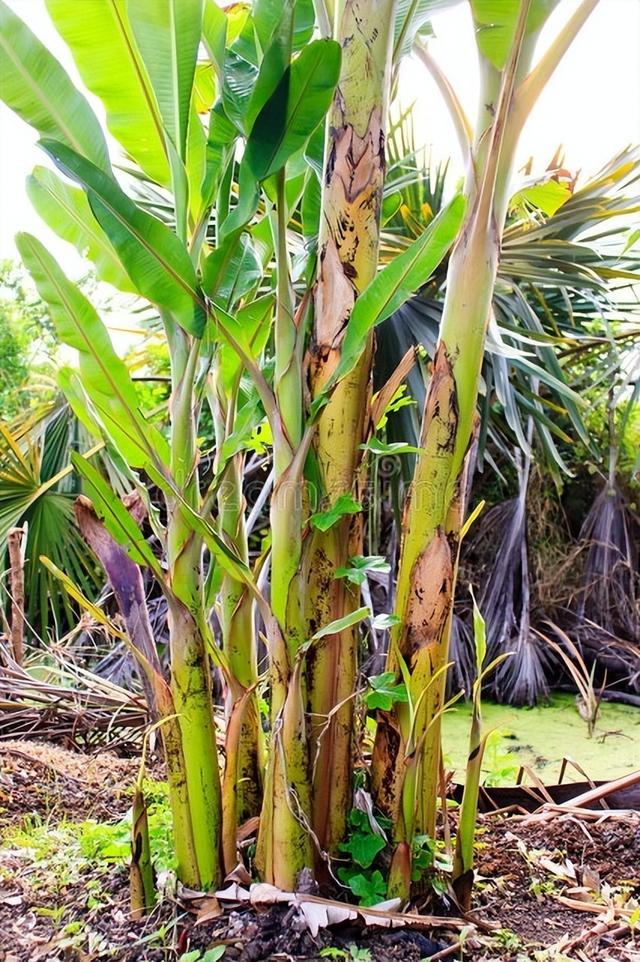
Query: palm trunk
x=348, y=257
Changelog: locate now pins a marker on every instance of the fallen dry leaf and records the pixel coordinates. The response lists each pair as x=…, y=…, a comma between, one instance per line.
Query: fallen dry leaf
x=239, y=874
x=317, y=912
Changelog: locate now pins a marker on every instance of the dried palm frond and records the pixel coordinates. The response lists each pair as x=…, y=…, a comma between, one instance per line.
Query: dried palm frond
x=609, y=594
x=88, y=713
x=505, y=598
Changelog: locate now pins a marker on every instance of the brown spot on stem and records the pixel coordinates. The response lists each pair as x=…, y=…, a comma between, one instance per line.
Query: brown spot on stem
x=430, y=597
x=440, y=423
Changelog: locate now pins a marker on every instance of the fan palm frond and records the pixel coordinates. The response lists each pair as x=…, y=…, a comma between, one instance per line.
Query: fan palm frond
x=557, y=303
x=37, y=489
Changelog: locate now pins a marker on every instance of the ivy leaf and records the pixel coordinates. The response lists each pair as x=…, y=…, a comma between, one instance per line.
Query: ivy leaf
x=376, y=446
x=423, y=856
x=370, y=889
x=356, y=570
x=363, y=847
x=324, y=520
x=385, y=691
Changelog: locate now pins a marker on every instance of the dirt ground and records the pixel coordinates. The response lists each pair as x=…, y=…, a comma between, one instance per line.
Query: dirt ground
x=564, y=891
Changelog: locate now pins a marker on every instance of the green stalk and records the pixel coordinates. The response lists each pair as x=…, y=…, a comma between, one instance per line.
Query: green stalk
x=141, y=880
x=183, y=834
x=244, y=741
x=190, y=670
x=435, y=508
x=239, y=642
x=348, y=257
x=284, y=845
x=462, y=877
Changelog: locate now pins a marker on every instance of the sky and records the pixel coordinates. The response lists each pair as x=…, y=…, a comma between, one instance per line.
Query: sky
x=591, y=105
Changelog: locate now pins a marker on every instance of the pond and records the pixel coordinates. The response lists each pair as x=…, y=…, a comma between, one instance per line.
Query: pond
x=540, y=737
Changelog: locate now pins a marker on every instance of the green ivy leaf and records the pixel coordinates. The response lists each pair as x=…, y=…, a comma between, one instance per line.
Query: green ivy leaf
x=324, y=520
x=376, y=446
x=385, y=691
x=370, y=889
x=363, y=847
x=423, y=856
x=356, y=570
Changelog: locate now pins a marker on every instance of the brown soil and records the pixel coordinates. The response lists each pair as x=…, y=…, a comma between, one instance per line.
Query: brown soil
x=49, y=918
x=41, y=778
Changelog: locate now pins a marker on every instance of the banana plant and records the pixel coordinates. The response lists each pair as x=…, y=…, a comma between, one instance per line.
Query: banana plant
x=151, y=106
x=204, y=267
x=228, y=115
x=506, y=35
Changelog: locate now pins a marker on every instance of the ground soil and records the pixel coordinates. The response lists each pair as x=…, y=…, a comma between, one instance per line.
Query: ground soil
x=525, y=871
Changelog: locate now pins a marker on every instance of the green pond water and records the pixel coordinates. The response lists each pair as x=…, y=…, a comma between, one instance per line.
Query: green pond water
x=540, y=737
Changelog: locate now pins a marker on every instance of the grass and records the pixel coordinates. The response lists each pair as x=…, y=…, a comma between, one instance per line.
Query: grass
x=540, y=737
x=65, y=850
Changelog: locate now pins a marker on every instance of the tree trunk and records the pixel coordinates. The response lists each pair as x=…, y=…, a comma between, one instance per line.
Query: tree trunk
x=244, y=741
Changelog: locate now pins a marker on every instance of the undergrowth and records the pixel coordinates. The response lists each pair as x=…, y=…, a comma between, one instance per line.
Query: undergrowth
x=64, y=851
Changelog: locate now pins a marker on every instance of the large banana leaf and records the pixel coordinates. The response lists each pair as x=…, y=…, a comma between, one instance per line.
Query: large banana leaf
x=168, y=35
x=496, y=20
x=108, y=60
x=65, y=209
x=152, y=255
x=294, y=110
x=231, y=270
x=33, y=83
x=214, y=35
x=104, y=376
x=284, y=124
x=274, y=28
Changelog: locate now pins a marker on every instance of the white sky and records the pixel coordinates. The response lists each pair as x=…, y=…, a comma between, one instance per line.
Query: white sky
x=591, y=105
